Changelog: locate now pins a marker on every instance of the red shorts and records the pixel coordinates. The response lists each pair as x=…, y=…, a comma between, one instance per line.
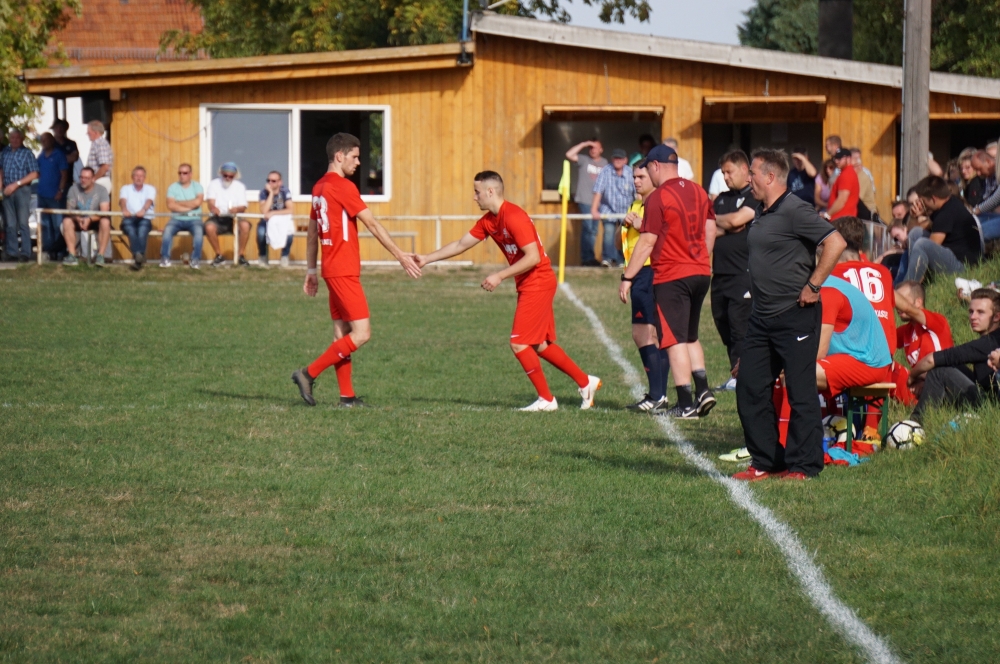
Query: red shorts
x=843, y=372
x=534, y=321
x=347, y=300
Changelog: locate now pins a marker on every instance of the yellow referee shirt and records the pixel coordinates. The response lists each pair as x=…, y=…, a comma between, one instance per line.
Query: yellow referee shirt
x=630, y=236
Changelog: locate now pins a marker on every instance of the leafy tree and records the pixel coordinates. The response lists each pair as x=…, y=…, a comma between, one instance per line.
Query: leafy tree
x=259, y=27
x=782, y=25
x=25, y=28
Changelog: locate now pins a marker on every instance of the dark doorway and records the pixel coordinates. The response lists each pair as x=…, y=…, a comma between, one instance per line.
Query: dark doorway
x=717, y=139
x=949, y=137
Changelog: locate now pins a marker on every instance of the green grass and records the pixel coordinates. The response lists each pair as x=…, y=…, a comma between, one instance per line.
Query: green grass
x=167, y=497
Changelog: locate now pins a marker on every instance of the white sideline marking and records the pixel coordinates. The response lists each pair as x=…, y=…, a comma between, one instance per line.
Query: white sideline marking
x=800, y=563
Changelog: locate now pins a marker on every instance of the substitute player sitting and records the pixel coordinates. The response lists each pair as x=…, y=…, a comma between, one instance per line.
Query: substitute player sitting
x=534, y=331
x=333, y=225
x=873, y=280
x=925, y=332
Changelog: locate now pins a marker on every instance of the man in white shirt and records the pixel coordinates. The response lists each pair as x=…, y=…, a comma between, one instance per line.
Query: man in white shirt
x=136, y=201
x=226, y=197
x=683, y=165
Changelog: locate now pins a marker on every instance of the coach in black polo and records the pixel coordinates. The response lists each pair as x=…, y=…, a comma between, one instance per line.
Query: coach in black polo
x=783, y=333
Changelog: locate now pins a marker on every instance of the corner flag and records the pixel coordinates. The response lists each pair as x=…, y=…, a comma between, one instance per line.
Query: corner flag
x=564, y=194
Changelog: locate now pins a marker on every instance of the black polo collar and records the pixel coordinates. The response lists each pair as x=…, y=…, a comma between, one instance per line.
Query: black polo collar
x=777, y=203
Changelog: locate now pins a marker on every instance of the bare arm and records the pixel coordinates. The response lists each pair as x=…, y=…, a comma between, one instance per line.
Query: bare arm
x=530, y=259
x=102, y=170
x=833, y=246
x=934, y=168
x=841, y=201
x=175, y=205
x=595, y=206
x=311, y=285
x=807, y=165
x=573, y=153
x=710, y=235
x=378, y=230
x=735, y=221
x=904, y=306
x=818, y=196
x=825, y=334
x=62, y=180
x=921, y=368
x=460, y=246
x=643, y=248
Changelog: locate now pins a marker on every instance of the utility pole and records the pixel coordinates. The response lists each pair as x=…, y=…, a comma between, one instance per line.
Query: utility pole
x=915, y=135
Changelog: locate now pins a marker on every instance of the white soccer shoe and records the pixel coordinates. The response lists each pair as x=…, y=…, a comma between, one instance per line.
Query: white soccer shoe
x=588, y=393
x=541, y=406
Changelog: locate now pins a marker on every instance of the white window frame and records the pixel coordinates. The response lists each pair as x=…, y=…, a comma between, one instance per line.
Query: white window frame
x=294, y=154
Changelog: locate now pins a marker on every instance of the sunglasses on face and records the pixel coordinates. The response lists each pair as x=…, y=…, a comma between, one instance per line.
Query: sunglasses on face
x=228, y=176
x=183, y=172
x=269, y=180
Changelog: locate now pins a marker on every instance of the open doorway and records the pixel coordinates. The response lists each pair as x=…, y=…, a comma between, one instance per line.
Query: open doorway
x=949, y=137
x=717, y=139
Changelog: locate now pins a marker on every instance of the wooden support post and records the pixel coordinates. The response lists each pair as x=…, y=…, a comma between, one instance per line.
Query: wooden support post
x=915, y=135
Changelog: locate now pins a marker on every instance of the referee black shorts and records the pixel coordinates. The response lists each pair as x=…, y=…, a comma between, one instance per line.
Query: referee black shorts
x=643, y=301
x=679, y=306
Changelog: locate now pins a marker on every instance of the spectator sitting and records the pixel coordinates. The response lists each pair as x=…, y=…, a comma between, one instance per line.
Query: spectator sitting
x=137, y=201
x=989, y=218
x=845, y=190
x=684, y=169
x=53, y=173
x=646, y=143
x=923, y=332
x=70, y=150
x=896, y=257
x=101, y=158
x=944, y=377
x=918, y=213
x=87, y=196
x=614, y=192
x=18, y=169
x=588, y=168
x=954, y=238
x=184, y=199
x=226, y=197
x=802, y=176
x=823, y=183
x=277, y=208
x=866, y=186
x=972, y=184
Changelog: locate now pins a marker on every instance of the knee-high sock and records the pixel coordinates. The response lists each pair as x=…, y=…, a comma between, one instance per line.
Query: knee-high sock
x=340, y=349
x=664, y=368
x=533, y=368
x=558, y=358
x=784, y=410
x=651, y=362
x=343, y=368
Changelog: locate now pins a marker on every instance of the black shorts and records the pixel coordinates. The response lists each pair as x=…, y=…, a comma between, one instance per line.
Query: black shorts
x=679, y=303
x=643, y=302
x=223, y=225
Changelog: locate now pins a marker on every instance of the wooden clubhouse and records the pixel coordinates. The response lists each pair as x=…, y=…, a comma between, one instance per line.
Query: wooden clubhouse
x=430, y=118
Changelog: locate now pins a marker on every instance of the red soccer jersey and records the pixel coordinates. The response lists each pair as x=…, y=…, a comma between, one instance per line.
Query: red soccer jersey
x=847, y=181
x=919, y=340
x=512, y=229
x=875, y=281
x=336, y=199
x=676, y=213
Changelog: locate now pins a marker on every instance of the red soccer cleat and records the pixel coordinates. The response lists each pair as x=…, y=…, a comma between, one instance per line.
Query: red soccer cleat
x=801, y=477
x=751, y=474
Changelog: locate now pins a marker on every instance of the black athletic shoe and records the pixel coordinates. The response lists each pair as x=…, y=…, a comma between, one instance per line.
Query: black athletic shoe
x=243, y=262
x=218, y=261
x=706, y=402
x=305, y=383
x=352, y=402
x=678, y=413
x=648, y=405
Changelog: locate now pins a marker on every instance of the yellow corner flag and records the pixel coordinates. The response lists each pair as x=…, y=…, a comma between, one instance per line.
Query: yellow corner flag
x=564, y=193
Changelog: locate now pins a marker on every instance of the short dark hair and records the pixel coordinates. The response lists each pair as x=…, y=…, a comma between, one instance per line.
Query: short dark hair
x=801, y=149
x=735, y=157
x=489, y=176
x=833, y=138
x=987, y=294
x=915, y=287
x=775, y=160
x=933, y=186
x=852, y=230
x=647, y=138
x=899, y=202
x=341, y=143
x=278, y=173
x=88, y=168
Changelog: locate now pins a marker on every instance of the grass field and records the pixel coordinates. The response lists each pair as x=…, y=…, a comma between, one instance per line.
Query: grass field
x=166, y=495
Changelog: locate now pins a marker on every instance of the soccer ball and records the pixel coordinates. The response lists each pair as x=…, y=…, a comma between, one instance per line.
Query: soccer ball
x=835, y=428
x=905, y=435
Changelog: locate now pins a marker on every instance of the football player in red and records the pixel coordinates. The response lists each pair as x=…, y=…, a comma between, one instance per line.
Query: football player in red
x=333, y=225
x=872, y=279
x=534, y=332
x=924, y=332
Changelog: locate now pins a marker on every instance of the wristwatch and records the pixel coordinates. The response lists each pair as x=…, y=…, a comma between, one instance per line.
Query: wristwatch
x=624, y=279
x=813, y=287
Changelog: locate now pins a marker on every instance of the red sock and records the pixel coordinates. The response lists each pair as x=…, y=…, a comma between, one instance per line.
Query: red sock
x=784, y=412
x=529, y=361
x=558, y=358
x=343, y=369
x=340, y=349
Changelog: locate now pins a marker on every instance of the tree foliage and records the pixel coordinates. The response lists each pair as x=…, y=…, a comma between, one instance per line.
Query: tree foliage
x=964, y=40
x=25, y=28
x=260, y=27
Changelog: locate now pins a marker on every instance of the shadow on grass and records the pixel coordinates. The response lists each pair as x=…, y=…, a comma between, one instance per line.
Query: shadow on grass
x=452, y=401
x=244, y=397
x=641, y=466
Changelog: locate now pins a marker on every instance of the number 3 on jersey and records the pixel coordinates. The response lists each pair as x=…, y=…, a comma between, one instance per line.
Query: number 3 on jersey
x=868, y=281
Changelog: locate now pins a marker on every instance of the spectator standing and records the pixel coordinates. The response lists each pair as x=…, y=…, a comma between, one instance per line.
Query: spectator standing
x=101, y=158
x=614, y=192
x=866, y=185
x=823, y=184
x=227, y=197
x=716, y=185
x=735, y=209
x=832, y=144
x=87, y=196
x=588, y=168
x=802, y=176
x=18, y=169
x=784, y=328
x=276, y=204
x=954, y=238
x=184, y=199
x=137, y=201
x=53, y=173
x=845, y=190
x=684, y=169
x=646, y=143
x=70, y=150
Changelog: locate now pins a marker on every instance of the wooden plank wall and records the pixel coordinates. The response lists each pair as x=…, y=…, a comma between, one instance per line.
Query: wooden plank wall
x=449, y=124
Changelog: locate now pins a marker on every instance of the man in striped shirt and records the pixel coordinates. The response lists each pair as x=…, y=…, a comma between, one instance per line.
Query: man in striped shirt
x=614, y=192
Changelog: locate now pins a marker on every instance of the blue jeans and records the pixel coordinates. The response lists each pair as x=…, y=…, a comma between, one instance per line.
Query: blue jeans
x=904, y=264
x=608, y=250
x=262, y=240
x=588, y=234
x=137, y=230
x=52, y=237
x=990, y=221
x=15, y=214
x=194, y=226
x=926, y=254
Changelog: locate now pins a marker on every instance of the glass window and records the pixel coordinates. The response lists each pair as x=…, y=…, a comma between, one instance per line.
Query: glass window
x=257, y=141
x=316, y=128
